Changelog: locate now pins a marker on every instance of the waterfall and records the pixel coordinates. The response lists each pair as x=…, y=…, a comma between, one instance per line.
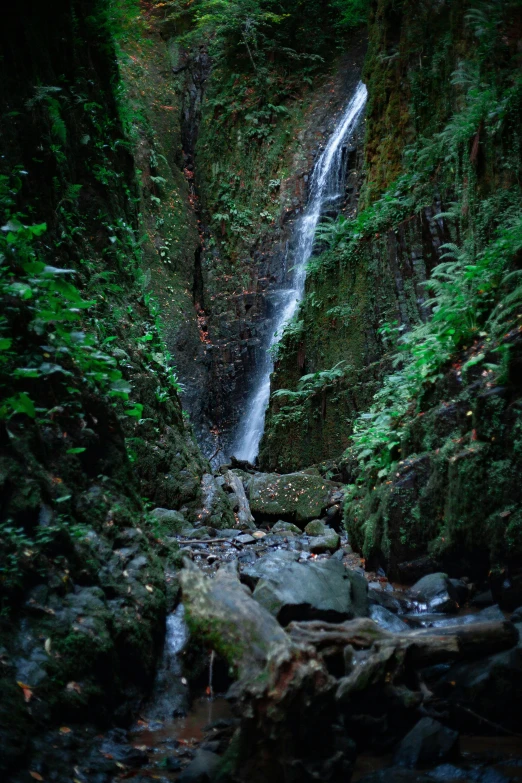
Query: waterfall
x=326, y=188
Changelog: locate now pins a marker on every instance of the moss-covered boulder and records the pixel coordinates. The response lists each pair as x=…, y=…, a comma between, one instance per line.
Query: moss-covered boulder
x=295, y=497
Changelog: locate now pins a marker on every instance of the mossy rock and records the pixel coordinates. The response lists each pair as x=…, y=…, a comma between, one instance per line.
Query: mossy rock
x=294, y=497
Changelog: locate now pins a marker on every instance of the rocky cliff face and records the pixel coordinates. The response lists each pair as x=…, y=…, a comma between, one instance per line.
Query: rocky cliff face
x=92, y=432
x=440, y=186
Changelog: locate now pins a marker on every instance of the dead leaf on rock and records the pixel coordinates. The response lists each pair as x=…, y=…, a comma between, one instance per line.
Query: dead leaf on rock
x=65, y=730
x=149, y=588
x=35, y=775
x=27, y=691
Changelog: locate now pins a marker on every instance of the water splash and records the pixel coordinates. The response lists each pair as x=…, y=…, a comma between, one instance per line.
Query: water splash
x=326, y=188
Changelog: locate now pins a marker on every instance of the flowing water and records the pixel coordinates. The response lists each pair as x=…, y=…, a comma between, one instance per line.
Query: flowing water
x=326, y=190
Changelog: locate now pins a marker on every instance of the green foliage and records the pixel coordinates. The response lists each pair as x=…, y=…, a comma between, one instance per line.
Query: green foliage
x=309, y=386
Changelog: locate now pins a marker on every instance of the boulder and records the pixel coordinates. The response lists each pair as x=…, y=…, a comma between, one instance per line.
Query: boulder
x=428, y=743
x=267, y=565
x=168, y=520
x=286, y=528
x=315, y=528
x=387, y=620
x=307, y=591
x=215, y=508
x=297, y=497
x=434, y=593
x=329, y=542
x=489, y=688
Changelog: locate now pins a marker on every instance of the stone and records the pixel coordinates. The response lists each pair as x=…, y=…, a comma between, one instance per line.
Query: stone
x=266, y=566
x=201, y=769
x=327, y=543
x=435, y=593
x=413, y=570
x=490, y=687
x=393, y=600
x=222, y=611
x=488, y=615
x=171, y=521
x=214, y=508
x=480, y=600
x=387, y=620
x=516, y=617
x=297, y=497
x=315, y=528
x=308, y=591
x=428, y=743
x=201, y=532
x=285, y=528
x=227, y=533
x=247, y=557
x=238, y=499
x=396, y=775
x=245, y=538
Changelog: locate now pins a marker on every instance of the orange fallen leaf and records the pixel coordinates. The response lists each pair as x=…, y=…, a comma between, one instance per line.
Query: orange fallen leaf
x=35, y=775
x=65, y=730
x=27, y=691
x=73, y=686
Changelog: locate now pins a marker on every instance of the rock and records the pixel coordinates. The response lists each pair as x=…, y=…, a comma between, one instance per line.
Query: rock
x=170, y=521
x=306, y=591
x=248, y=557
x=266, y=566
x=461, y=590
x=482, y=599
x=387, y=620
x=396, y=775
x=428, y=743
x=245, y=538
x=297, y=497
x=516, y=617
x=238, y=499
x=490, y=614
x=315, y=528
x=490, y=687
x=285, y=528
x=229, y=532
x=201, y=769
x=222, y=611
x=201, y=532
x=435, y=592
x=215, y=508
x=413, y=570
x=334, y=516
x=327, y=543
x=115, y=746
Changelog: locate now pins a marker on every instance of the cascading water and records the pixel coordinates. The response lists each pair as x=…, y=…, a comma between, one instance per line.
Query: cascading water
x=326, y=188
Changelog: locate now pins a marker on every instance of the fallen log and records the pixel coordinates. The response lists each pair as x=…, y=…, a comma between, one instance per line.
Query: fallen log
x=300, y=691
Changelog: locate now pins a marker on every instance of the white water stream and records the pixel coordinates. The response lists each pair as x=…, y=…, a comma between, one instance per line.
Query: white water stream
x=327, y=186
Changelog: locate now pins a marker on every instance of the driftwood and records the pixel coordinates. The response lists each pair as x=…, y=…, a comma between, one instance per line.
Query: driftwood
x=301, y=693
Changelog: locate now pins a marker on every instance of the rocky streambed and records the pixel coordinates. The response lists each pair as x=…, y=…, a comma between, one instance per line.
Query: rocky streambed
x=286, y=660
